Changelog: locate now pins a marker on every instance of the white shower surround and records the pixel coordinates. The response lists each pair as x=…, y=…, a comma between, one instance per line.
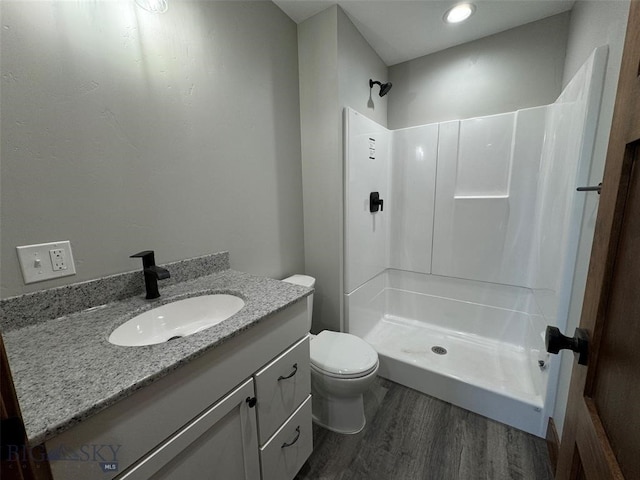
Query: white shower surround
x=486, y=206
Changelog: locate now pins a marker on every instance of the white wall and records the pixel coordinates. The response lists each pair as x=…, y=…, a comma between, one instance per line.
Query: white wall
x=357, y=63
x=321, y=163
x=124, y=131
x=512, y=70
x=592, y=24
x=335, y=66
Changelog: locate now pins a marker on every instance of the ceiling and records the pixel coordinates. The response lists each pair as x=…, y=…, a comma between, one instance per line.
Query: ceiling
x=401, y=30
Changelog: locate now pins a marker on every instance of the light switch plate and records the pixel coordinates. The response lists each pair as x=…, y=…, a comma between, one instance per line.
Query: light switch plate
x=45, y=261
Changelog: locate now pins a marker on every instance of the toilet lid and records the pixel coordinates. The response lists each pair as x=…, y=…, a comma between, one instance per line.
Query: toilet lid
x=342, y=354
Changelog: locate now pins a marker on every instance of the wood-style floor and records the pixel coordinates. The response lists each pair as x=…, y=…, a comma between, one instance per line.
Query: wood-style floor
x=411, y=436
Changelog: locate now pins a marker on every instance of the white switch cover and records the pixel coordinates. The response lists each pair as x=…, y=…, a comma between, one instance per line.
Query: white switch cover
x=46, y=261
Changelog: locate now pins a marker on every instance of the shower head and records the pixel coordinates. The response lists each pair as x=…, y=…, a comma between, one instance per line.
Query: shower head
x=384, y=87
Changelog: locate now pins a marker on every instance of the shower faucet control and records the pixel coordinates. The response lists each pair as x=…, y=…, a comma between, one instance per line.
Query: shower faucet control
x=375, y=202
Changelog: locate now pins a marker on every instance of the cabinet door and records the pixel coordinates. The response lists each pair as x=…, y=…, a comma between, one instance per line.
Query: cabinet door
x=221, y=443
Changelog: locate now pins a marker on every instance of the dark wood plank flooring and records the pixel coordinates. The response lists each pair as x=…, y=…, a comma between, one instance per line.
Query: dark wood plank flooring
x=412, y=436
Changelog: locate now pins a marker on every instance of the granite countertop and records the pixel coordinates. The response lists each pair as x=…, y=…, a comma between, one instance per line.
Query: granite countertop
x=65, y=369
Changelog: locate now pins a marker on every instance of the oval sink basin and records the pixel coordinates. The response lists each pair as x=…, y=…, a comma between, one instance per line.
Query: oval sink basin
x=175, y=320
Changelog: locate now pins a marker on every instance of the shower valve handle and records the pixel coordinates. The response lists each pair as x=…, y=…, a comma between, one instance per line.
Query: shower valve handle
x=375, y=202
x=579, y=343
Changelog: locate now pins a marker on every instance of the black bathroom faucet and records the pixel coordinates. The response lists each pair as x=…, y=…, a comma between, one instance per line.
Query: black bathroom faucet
x=152, y=273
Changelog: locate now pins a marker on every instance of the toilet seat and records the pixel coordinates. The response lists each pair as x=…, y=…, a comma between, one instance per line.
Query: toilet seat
x=342, y=355
x=344, y=375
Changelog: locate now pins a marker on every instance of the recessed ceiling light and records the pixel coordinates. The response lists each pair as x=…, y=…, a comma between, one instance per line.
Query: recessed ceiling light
x=459, y=13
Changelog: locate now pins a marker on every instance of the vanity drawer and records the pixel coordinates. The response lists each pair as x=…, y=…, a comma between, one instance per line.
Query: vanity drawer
x=285, y=453
x=281, y=386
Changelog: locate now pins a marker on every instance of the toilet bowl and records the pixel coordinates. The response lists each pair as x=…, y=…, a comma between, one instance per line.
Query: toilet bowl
x=343, y=366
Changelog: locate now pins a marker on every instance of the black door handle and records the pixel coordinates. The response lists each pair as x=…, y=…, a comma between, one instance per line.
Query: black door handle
x=375, y=202
x=579, y=343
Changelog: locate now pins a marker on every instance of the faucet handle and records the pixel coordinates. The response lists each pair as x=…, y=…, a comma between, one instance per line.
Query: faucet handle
x=148, y=258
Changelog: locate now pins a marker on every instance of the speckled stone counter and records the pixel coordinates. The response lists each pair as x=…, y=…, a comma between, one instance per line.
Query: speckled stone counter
x=65, y=370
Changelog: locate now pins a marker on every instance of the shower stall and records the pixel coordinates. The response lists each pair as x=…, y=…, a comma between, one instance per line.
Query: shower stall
x=460, y=247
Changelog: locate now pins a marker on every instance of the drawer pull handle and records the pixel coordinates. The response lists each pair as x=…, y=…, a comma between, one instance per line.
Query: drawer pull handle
x=252, y=401
x=295, y=370
x=285, y=444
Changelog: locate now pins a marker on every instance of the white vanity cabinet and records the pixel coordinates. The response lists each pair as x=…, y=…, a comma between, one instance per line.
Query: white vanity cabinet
x=225, y=415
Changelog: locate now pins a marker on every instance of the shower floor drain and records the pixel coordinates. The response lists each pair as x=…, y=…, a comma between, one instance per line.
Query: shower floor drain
x=439, y=350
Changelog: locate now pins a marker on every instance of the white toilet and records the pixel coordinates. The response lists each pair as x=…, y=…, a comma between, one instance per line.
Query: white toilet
x=343, y=366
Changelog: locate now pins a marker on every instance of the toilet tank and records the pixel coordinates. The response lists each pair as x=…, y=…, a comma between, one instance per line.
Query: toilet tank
x=305, y=281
